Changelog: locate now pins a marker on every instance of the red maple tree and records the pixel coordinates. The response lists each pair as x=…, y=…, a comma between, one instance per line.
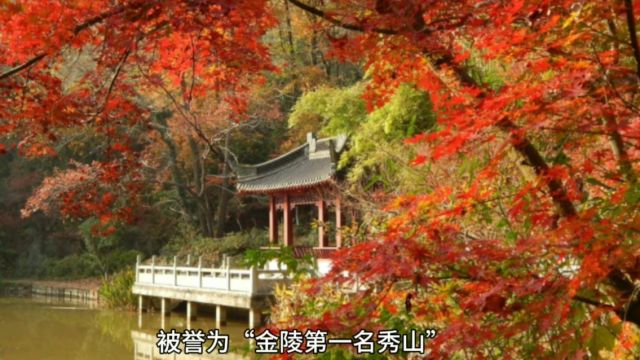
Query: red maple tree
x=525, y=267
x=535, y=250
x=93, y=64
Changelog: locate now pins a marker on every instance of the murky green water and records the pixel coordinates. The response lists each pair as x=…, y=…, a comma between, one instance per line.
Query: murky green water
x=47, y=329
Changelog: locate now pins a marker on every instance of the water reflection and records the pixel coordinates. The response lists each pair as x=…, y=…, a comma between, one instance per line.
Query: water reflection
x=65, y=302
x=57, y=329
x=145, y=348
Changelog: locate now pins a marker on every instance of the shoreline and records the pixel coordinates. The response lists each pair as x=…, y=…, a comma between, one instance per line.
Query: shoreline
x=83, y=289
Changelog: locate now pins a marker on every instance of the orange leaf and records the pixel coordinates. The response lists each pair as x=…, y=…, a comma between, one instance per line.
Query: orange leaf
x=419, y=160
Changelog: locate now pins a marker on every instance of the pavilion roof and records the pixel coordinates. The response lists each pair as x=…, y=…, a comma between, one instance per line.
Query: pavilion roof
x=309, y=165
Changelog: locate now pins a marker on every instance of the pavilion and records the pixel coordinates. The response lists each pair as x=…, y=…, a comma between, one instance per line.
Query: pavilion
x=305, y=175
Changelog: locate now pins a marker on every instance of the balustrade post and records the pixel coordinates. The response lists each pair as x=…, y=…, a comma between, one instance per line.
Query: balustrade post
x=200, y=272
x=138, y=268
x=188, y=259
x=153, y=269
x=253, y=280
x=228, y=268
x=175, y=271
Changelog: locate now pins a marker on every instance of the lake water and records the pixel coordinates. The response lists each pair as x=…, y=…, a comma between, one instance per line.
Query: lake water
x=50, y=329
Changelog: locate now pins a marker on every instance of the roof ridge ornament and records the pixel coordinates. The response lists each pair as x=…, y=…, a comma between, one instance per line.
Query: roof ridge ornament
x=332, y=152
x=312, y=141
x=312, y=164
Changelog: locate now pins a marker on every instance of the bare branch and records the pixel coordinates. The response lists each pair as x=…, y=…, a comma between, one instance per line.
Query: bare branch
x=331, y=19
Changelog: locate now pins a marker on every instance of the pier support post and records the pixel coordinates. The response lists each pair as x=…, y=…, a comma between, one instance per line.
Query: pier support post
x=221, y=316
x=140, y=303
x=192, y=310
x=163, y=307
x=163, y=311
x=255, y=318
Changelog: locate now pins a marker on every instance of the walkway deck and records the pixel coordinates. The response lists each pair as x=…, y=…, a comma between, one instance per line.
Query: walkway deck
x=224, y=287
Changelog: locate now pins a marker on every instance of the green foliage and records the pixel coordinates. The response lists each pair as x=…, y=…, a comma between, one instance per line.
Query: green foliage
x=340, y=110
x=285, y=257
x=377, y=155
x=189, y=242
x=116, y=292
x=408, y=113
x=106, y=250
x=97, y=245
x=79, y=266
x=484, y=72
x=183, y=240
x=119, y=259
x=71, y=267
x=7, y=261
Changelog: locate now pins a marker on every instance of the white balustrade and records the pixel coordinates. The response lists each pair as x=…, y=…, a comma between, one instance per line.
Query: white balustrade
x=250, y=281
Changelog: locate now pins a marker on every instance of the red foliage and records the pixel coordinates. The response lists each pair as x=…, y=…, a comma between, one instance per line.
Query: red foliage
x=561, y=92
x=133, y=48
x=555, y=98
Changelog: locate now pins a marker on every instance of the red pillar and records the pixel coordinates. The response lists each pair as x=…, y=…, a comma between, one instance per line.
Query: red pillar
x=288, y=222
x=338, y=223
x=322, y=218
x=273, y=221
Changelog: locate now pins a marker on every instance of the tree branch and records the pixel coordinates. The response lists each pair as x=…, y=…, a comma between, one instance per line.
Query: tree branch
x=19, y=68
x=112, y=84
x=521, y=144
x=592, y=302
x=525, y=148
x=631, y=25
x=319, y=13
x=564, y=206
x=85, y=25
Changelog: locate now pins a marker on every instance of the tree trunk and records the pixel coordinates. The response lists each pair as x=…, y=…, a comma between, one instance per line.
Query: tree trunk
x=223, y=198
x=178, y=179
x=205, y=214
x=289, y=30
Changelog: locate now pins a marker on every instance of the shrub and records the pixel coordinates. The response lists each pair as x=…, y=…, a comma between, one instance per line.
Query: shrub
x=72, y=267
x=211, y=250
x=7, y=261
x=119, y=259
x=297, y=267
x=116, y=291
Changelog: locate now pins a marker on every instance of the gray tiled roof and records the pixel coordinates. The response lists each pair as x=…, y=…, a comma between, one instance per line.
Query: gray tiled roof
x=308, y=165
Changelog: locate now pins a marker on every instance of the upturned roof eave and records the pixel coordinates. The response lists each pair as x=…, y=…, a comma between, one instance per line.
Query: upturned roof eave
x=288, y=188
